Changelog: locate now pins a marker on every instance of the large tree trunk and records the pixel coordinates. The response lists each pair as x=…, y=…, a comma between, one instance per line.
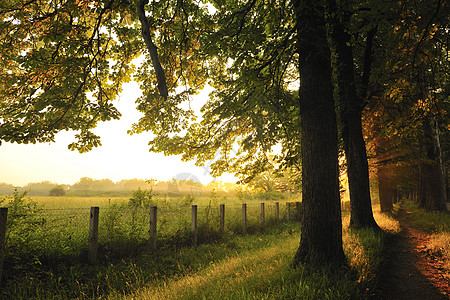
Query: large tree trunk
x=447, y=185
x=422, y=188
x=351, y=105
x=321, y=237
x=385, y=187
x=361, y=214
x=433, y=174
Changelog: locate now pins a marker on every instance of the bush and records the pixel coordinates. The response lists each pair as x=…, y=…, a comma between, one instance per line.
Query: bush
x=141, y=198
x=23, y=220
x=57, y=191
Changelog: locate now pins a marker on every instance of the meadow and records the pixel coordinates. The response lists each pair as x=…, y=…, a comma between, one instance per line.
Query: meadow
x=46, y=255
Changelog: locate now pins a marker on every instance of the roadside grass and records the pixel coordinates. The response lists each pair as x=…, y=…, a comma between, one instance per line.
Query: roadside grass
x=262, y=273
x=429, y=221
x=46, y=251
x=229, y=266
x=438, y=224
x=266, y=273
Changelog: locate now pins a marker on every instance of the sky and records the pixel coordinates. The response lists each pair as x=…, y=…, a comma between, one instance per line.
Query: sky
x=121, y=156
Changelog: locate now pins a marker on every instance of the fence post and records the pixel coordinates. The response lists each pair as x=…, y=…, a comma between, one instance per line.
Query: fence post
x=288, y=211
x=3, y=217
x=244, y=218
x=298, y=211
x=194, y=224
x=262, y=217
x=222, y=219
x=277, y=211
x=152, y=231
x=93, y=235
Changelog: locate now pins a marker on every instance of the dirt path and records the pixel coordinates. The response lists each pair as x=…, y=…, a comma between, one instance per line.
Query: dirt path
x=412, y=272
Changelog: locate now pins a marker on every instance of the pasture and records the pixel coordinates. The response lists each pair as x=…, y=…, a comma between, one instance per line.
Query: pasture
x=47, y=249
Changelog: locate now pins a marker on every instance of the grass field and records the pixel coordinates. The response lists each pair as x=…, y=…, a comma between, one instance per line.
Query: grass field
x=46, y=253
x=262, y=270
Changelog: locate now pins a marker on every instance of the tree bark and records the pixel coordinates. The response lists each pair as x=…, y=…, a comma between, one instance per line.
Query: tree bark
x=421, y=190
x=434, y=177
x=385, y=187
x=153, y=51
x=321, y=237
x=351, y=105
x=447, y=186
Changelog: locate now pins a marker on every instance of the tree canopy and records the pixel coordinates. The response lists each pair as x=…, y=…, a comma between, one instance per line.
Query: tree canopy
x=63, y=63
x=273, y=65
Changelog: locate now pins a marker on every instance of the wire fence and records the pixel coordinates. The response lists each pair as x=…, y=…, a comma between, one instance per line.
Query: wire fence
x=51, y=235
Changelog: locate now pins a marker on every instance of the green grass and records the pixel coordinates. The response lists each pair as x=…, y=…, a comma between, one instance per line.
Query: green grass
x=430, y=221
x=229, y=266
x=49, y=244
x=262, y=270
x=58, y=232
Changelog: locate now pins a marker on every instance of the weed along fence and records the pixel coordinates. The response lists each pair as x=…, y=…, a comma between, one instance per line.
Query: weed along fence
x=99, y=233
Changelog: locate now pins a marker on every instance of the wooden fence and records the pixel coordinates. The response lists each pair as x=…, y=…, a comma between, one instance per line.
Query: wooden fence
x=95, y=215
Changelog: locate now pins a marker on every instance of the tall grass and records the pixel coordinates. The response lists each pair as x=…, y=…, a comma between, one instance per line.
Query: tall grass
x=430, y=221
x=52, y=251
x=229, y=266
x=263, y=271
x=61, y=226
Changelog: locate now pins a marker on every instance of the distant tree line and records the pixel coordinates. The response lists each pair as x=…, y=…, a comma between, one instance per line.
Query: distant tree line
x=264, y=187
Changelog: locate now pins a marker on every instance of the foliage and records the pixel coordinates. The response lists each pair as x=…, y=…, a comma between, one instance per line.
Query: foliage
x=39, y=188
x=141, y=198
x=22, y=221
x=220, y=42
x=6, y=189
x=409, y=81
x=431, y=221
x=188, y=200
x=251, y=107
x=49, y=83
x=274, y=180
x=57, y=191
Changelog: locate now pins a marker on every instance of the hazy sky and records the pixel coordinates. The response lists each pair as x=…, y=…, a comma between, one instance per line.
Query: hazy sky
x=121, y=157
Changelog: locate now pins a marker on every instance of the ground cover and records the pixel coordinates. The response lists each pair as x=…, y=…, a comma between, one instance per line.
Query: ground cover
x=266, y=273
x=235, y=266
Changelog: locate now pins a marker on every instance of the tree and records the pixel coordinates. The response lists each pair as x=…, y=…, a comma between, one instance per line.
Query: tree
x=103, y=185
x=57, y=191
x=6, y=189
x=412, y=97
x=351, y=103
x=276, y=179
x=84, y=185
x=39, y=188
x=321, y=237
x=252, y=53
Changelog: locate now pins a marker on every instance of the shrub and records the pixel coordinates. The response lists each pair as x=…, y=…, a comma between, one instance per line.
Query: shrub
x=23, y=220
x=57, y=191
x=141, y=198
